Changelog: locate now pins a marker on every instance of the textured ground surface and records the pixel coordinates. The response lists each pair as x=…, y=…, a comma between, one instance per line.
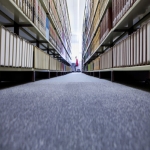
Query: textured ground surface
x=74, y=112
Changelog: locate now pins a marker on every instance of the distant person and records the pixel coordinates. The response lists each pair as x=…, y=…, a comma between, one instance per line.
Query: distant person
x=76, y=61
x=74, y=64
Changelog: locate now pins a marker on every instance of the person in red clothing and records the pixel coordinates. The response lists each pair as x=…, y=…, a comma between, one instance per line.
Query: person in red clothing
x=74, y=64
x=76, y=61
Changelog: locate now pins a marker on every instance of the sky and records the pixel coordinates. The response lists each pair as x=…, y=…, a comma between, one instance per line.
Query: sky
x=76, y=13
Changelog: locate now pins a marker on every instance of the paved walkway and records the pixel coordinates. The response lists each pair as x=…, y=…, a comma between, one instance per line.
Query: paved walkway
x=74, y=112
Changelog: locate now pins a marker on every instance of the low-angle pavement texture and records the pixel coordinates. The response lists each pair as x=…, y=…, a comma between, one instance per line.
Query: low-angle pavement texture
x=74, y=112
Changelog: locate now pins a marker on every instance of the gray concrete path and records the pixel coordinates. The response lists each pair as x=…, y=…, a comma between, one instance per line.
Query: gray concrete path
x=74, y=112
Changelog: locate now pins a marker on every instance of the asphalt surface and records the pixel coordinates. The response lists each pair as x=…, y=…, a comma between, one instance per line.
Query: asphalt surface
x=74, y=112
